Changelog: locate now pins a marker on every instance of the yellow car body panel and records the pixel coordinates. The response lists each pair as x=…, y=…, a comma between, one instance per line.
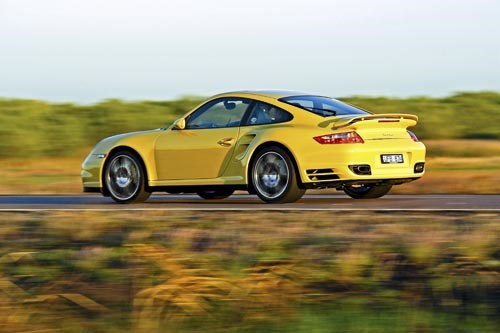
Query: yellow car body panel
x=191, y=149
x=223, y=156
x=140, y=142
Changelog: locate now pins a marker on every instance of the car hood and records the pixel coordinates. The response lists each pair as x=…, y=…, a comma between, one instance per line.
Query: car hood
x=129, y=134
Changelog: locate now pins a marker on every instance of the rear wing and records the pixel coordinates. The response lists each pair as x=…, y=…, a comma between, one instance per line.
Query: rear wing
x=407, y=120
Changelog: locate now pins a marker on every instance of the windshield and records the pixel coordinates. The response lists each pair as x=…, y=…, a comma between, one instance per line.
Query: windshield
x=322, y=106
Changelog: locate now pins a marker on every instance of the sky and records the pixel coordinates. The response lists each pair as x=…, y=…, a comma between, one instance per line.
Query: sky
x=88, y=50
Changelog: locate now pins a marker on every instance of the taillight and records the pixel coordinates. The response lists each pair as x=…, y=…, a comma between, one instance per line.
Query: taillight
x=346, y=137
x=413, y=136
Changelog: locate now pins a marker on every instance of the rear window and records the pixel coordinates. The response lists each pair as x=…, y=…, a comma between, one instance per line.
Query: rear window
x=322, y=106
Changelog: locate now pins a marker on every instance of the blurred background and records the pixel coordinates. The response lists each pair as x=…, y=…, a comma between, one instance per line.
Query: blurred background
x=73, y=72
x=174, y=271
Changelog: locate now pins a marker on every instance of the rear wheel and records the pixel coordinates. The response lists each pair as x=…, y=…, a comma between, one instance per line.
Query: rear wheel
x=367, y=191
x=274, y=178
x=215, y=194
x=125, y=178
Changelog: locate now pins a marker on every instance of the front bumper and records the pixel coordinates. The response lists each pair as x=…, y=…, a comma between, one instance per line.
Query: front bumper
x=92, y=171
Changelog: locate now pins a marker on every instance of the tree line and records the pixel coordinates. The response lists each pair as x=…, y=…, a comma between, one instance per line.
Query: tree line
x=35, y=128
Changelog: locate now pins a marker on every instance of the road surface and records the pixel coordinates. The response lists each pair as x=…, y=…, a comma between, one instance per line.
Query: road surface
x=249, y=202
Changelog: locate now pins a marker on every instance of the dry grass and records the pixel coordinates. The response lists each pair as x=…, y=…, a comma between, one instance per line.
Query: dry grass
x=463, y=148
x=235, y=271
x=55, y=175
x=453, y=166
x=478, y=175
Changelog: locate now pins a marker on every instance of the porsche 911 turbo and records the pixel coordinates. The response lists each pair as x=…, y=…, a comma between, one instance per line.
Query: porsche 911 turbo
x=275, y=144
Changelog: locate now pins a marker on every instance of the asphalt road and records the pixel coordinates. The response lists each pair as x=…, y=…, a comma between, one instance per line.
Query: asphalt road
x=249, y=202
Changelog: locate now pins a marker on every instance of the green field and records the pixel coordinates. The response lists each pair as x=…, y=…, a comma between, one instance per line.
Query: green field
x=37, y=128
x=241, y=272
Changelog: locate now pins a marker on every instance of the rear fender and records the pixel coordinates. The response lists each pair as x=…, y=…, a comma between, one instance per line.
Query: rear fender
x=266, y=139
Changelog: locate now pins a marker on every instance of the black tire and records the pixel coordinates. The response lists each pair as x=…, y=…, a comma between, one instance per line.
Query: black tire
x=273, y=176
x=125, y=179
x=215, y=194
x=367, y=191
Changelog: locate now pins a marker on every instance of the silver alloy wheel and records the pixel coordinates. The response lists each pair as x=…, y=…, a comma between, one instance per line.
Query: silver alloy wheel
x=271, y=175
x=123, y=177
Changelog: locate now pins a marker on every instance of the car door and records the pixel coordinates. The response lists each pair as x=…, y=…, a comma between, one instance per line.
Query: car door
x=203, y=148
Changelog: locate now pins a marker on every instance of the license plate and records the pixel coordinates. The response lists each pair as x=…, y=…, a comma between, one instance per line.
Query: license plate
x=392, y=158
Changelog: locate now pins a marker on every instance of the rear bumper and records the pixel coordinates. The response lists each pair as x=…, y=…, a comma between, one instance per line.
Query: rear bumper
x=339, y=184
x=347, y=164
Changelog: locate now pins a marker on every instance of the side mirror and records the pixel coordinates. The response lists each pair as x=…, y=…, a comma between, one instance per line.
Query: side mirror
x=180, y=124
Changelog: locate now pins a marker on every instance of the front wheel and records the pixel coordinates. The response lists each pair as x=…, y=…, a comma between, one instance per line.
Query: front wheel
x=274, y=178
x=125, y=178
x=367, y=191
x=215, y=194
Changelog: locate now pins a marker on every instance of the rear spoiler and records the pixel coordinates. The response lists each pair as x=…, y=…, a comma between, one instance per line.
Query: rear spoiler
x=409, y=119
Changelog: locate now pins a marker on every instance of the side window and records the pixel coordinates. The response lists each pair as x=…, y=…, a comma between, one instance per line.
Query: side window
x=224, y=112
x=264, y=113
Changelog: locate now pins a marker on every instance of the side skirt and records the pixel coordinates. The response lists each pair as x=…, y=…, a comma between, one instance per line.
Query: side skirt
x=194, y=189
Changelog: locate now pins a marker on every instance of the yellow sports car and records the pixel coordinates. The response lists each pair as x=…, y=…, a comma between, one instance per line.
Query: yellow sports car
x=276, y=144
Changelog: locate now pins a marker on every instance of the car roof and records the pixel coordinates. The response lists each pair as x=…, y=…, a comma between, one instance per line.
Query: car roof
x=276, y=94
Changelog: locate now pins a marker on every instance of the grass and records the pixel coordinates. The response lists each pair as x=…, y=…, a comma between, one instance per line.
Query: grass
x=459, y=166
x=42, y=129
x=455, y=176
x=241, y=272
x=56, y=175
x=453, y=166
x=463, y=148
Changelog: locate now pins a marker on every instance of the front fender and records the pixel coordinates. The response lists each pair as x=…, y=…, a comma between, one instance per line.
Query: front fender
x=142, y=143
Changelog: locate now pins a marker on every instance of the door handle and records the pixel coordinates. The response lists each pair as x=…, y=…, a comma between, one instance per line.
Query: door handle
x=226, y=142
